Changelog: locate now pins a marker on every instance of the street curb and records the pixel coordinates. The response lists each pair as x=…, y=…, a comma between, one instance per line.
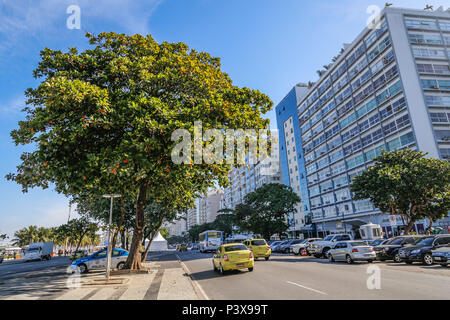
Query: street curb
x=201, y=295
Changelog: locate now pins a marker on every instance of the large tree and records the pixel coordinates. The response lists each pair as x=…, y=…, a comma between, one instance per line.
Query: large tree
x=102, y=121
x=408, y=184
x=77, y=229
x=264, y=211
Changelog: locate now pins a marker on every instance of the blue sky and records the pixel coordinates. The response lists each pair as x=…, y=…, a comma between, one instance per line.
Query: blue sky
x=268, y=45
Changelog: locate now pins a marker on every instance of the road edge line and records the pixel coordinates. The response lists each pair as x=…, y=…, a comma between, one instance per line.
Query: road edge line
x=195, y=285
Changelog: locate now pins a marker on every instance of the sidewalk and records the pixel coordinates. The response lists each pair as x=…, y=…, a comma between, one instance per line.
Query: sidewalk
x=167, y=280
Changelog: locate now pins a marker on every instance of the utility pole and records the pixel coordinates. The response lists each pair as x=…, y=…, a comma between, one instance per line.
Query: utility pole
x=108, y=261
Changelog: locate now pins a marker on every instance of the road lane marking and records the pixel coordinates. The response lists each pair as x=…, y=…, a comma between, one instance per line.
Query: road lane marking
x=194, y=281
x=314, y=290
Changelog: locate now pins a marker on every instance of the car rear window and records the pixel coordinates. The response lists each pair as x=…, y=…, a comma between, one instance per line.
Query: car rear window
x=358, y=244
x=236, y=247
x=395, y=241
x=259, y=242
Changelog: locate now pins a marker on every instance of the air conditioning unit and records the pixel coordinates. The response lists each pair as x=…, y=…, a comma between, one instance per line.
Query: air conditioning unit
x=327, y=202
x=387, y=96
x=344, y=198
x=419, y=40
x=435, y=87
x=338, y=185
x=328, y=174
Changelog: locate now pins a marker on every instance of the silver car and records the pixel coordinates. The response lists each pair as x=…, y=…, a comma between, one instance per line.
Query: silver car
x=351, y=251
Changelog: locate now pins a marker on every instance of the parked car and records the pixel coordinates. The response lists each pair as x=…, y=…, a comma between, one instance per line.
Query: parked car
x=441, y=255
x=259, y=247
x=351, y=251
x=286, y=247
x=389, y=250
x=273, y=244
x=276, y=246
x=421, y=251
x=378, y=242
x=79, y=254
x=232, y=256
x=321, y=248
x=302, y=247
x=97, y=260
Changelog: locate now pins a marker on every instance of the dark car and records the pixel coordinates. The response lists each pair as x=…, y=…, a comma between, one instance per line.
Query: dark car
x=389, y=250
x=442, y=255
x=421, y=251
x=378, y=242
x=286, y=247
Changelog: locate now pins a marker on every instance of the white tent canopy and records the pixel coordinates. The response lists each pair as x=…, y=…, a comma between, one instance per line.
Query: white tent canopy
x=158, y=243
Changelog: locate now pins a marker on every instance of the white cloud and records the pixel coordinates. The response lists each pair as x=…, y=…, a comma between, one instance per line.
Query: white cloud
x=14, y=105
x=48, y=17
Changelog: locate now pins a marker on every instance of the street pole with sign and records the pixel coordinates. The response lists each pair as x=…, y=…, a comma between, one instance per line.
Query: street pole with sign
x=108, y=259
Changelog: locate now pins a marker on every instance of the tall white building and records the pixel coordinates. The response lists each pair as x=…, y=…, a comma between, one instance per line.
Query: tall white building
x=388, y=89
x=209, y=206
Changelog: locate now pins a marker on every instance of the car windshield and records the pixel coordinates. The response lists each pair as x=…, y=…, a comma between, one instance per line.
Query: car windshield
x=425, y=242
x=304, y=241
x=328, y=238
x=395, y=241
x=377, y=242
x=33, y=249
x=236, y=247
x=358, y=244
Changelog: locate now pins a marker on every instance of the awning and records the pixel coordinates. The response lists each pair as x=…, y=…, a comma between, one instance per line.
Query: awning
x=355, y=222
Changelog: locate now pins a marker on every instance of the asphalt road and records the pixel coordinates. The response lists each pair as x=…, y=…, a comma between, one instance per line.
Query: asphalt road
x=286, y=277
x=8, y=269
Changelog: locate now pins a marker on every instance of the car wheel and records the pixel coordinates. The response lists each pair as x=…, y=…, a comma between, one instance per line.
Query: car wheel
x=444, y=265
x=120, y=265
x=221, y=271
x=427, y=259
x=325, y=252
x=83, y=268
x=214, y=267
x=250, y=269
x=369, y=261
x=267, y=258
x=348, y=259
x=397, y=258
x=317, y=255
x=330, y=258
x=286, y=251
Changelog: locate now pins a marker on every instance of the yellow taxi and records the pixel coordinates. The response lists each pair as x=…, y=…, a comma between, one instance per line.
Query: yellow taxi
x=259, y=247
x=232, y=256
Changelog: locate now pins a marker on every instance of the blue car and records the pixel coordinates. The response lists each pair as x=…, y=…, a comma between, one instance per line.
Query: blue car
x=98, y=259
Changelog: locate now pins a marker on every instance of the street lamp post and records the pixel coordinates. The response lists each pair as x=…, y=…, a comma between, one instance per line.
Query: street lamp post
x=108, y=260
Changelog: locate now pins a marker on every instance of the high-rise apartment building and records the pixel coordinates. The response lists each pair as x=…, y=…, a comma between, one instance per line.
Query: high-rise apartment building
x=388, y=89
x=209, y=206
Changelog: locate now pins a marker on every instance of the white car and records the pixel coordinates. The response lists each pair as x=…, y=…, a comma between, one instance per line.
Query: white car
x=98, y=259
x=302, y=247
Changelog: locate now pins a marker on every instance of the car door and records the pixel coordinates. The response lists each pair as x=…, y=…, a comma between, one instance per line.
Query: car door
x=340, y=252
x=216, y=257
x=116, y=257
x=98, y=261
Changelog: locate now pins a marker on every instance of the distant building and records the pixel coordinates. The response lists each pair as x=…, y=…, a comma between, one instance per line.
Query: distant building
x=209, y=206
x=177, y=227
x=193, y=215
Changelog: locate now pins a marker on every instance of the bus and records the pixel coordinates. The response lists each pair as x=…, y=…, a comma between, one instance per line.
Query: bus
x=210, y=240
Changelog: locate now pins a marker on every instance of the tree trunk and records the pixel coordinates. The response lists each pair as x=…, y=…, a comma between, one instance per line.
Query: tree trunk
x=134, y=257
x=79, y=241
x=409, y=227
x=114, y=239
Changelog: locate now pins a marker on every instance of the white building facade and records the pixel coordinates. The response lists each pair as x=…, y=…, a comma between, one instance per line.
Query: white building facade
x=388, y=89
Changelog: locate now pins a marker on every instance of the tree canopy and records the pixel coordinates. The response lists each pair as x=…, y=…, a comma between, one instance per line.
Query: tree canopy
x=102, y=121
x=265, y=210
x=408, y=184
